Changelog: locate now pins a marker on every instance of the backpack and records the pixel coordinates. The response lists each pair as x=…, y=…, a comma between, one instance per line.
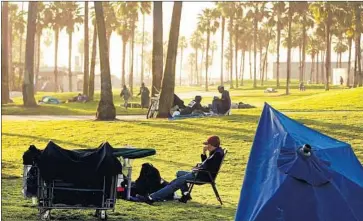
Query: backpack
x=149, y=181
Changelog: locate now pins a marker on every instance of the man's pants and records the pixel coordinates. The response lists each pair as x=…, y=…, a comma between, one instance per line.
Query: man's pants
x=126, y=103
x=178, y=183
x=217, y=107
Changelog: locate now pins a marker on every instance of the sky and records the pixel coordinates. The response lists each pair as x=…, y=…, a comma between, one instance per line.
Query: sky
x=190, y=11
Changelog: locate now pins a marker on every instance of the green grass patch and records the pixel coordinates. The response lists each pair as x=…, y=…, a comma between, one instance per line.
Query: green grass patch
x=178, y=146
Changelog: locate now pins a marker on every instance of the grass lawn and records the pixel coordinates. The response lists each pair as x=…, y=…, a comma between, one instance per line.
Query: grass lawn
x=178, y=146
x=246, y=94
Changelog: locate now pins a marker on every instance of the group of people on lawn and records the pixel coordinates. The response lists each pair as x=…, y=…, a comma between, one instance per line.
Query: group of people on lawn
x=219, y=105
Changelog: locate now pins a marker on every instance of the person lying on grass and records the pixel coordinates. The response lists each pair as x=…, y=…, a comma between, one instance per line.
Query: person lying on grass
x=211, y=164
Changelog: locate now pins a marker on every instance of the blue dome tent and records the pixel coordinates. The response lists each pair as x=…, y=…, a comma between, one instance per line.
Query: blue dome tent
x=285, y=182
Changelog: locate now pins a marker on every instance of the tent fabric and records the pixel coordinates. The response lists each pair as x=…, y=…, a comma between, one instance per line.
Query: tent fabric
x=283, y=184
x=78, y=167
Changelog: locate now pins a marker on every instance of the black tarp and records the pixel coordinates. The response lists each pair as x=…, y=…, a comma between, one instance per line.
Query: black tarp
x=85, y=168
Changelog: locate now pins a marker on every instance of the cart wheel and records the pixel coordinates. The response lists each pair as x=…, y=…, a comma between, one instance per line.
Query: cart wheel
x=44, y=214
x=102, y=215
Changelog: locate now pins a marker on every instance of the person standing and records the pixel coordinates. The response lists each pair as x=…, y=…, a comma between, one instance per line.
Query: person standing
x=125, y=94
x=145, y=96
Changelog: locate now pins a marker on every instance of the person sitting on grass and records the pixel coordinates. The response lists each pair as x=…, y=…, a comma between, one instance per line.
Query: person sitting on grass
x=211, y=164
x=223, y=104
x=194, y=106
x=125, y=93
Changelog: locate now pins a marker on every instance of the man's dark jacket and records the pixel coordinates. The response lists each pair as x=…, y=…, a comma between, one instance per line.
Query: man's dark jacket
x=211, y=164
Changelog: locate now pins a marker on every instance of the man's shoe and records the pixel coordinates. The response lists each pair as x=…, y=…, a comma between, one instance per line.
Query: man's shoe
x=145, y=199
x=185, y=198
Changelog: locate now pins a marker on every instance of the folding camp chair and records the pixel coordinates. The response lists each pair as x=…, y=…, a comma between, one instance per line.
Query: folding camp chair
x=211, y=181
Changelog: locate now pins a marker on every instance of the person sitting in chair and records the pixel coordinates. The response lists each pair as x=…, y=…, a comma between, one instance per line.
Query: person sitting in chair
x=211, y=164
x=223, y=104
x=194, y=105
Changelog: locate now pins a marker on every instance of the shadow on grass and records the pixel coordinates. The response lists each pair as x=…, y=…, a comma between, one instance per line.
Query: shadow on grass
x=333, y=127
x=45, y=139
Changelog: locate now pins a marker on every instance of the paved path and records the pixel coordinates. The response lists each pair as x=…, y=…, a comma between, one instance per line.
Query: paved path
x=65, y=117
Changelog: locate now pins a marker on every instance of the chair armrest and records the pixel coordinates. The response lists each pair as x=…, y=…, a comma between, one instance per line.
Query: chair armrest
x=197, y=170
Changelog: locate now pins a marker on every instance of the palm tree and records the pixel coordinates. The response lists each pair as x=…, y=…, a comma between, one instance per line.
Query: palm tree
x=71, y=18
x=106, y=109
x=5, y=96
x=195, y=43
x=278, y=11
x=28, y=84
x=91, y=85
x=157, y=54
x=110, y=21
x=213, y=48
x=145, y=8
x=168, y=85
x=191, y=62
x=221, y=6
x=339, y=48
x=124, y=30
x=208, y=23
x=54, y=19
x=41, y=25
x=358, y=79
x=290, y=14
x=312, y=50
x=86, y=51
x=182, y=45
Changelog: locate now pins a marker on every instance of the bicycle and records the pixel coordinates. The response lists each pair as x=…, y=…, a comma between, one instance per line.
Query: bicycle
x=154, y=106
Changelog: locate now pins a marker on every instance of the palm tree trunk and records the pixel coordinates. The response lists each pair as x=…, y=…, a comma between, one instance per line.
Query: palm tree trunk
x=201, y=69
x=157, y=54
x=250, y=60
x=231, y=52
x=91, y=88
x=11, y=72
x=261, y=63
x=123, y=81
x=312, y=67
x=56, y=59
x=317, y=68
x=131, y=76
x=70, y=61
x=303, y=49
x=168, y=85
x=358, y=24
x=322, y=67
x=38, y=60
x=289, y=51
x=236, y=53
x=86, y=51
x=255, y=50
x=181, y=66
x=142, y=48
x=349, y=60
x=243, y=58
x=106, y=109
x=28, y=85
x=20, y=62
x=206, y=60
x=196, y=66
x=328, y=48
x=300, y=62
x=5, y=96
x=340, y=60
x=222, y=49
x=278, y=53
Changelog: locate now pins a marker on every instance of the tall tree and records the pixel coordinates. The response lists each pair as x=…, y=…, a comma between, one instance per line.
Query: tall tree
x=145, y=9
x=54, y=17
x=168, y=85
x=358, y=79
x=41, y=25
x=221, y=6
x=279, y=10
x=182, y=45
x=157, y=58
x=72, y=17
x=290, y=12
x=195, y=43
x=106, y=109
x=28, y=84
x=5, y=96
x=86, y=52
x=91, y=88
x=208, y=23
